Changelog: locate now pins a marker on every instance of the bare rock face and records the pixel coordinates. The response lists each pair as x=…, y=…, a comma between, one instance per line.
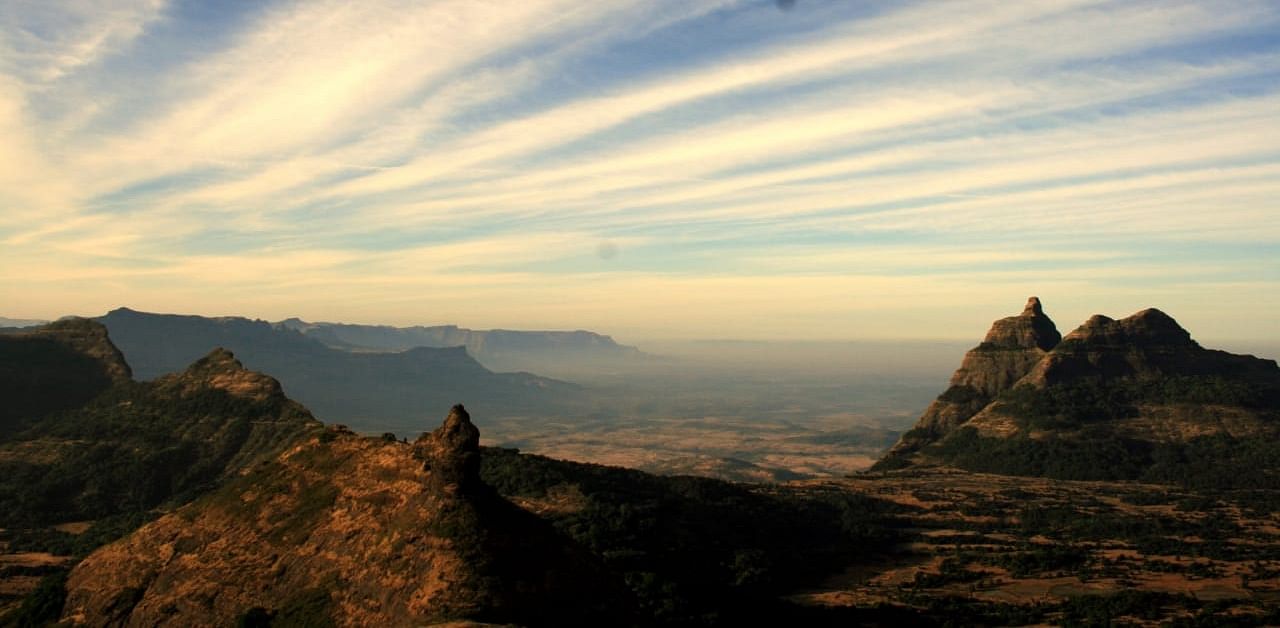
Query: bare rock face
x=1007, y=353
x=451, y=453
x=1011, y=348
x=352, y=531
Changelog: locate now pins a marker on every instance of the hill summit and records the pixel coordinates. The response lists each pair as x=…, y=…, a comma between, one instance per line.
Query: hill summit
x=348, y=530
x=1134, y=398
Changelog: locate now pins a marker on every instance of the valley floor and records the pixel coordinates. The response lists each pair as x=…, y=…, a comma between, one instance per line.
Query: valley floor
x=775, y=449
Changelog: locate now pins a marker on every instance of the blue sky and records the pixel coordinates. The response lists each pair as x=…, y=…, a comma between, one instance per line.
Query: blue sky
x=646, y=168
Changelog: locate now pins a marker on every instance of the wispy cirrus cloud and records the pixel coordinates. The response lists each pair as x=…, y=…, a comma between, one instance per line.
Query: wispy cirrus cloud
x=279, y=154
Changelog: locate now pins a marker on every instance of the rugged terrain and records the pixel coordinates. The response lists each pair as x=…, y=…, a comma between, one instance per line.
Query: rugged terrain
x=207, y=497
x=1134, y=398
x=352, y=530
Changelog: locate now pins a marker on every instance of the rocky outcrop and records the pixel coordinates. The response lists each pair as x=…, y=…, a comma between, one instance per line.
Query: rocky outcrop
x=452, y=453
x=1011, y=348
x=1140, y=381
x=220, y=370
x=1148, y=344
x=82, y=442
x=354, y=530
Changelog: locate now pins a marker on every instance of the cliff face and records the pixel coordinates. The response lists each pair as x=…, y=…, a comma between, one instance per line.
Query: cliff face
x=1139, y=388
x=55, y=367
x=1011, y=348
x=354, y=530
x=87, y=338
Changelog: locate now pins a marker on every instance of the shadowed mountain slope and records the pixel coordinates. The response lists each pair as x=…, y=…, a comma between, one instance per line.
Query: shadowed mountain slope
x=54, y=367
x=102, y=445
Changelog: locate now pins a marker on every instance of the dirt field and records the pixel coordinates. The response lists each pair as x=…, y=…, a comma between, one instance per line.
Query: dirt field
x=995, y=540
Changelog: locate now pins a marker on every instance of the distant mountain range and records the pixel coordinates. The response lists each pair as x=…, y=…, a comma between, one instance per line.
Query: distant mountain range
x=20, y=322
x=1134, y=398
x=371, y=391
x=557, y=353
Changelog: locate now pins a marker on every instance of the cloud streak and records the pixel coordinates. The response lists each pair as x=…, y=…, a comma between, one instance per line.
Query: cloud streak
x=895, y=154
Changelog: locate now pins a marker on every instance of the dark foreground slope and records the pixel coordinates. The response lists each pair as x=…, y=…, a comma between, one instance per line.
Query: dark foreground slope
x=93, y=443
x=383, y=391
x=1134, y=398
x=353, y=530
x=350, y=531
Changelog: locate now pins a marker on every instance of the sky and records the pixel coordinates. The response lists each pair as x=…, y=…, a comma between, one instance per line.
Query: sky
x=645, y=168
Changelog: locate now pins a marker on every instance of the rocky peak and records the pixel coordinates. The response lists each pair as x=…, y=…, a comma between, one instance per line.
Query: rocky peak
x=363, y=532
x=1031, y=329
x=1149, y=343
x=451, y=453
x=1148, y=327
x=220, y=369
x=217, y=361
x=1011, y=348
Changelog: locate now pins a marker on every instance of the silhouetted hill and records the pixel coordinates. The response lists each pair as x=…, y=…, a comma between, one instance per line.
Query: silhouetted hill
x=560, y=353
x=367, y=390
x=1134, y=398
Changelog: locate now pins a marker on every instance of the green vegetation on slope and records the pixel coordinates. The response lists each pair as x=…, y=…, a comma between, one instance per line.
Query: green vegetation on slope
x=1207, y=462
x=134, y=447
x=1094, y=400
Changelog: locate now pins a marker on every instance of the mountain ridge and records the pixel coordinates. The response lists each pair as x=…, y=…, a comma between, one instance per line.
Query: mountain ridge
x=370, y=391
x=1133, y=398
x=499, y=349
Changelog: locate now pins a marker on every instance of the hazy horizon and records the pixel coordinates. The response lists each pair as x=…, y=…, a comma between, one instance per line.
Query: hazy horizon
x=925, y=352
